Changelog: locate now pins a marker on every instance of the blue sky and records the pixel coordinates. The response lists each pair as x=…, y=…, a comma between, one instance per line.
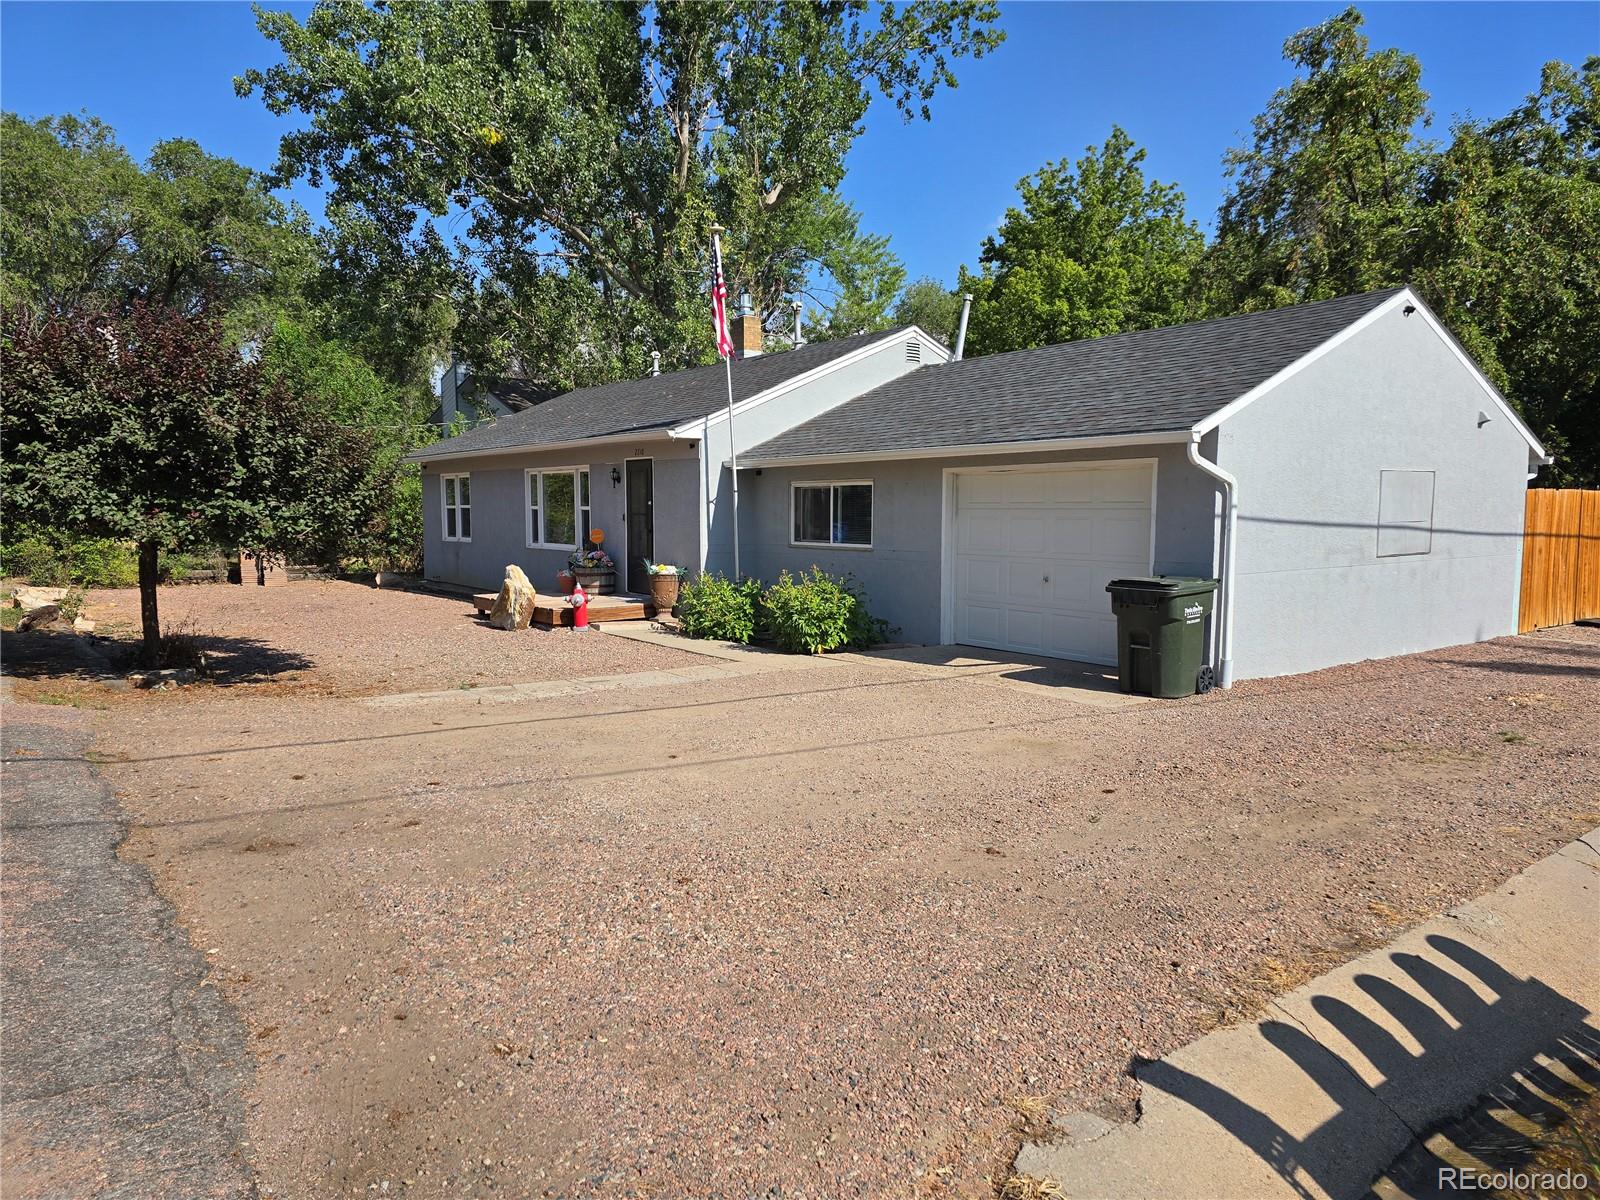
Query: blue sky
x=1183, y=79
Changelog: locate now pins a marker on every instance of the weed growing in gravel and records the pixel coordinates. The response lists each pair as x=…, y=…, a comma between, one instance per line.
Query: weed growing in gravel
x=1026, y=1187
x=1511, y=738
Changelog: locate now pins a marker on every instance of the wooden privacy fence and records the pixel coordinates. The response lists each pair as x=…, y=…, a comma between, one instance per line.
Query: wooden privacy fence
x=1560, y=558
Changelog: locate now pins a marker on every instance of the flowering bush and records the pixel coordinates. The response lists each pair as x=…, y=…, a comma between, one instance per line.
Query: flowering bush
x=591, y=560
x=661, y=568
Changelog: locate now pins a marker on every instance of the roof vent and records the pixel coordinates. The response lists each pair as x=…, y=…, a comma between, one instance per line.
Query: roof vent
x=914, y=352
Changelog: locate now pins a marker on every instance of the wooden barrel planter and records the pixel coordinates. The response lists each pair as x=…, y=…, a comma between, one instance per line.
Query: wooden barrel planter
x=597, y=583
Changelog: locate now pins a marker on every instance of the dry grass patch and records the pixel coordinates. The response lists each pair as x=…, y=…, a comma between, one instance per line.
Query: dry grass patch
x=1028, y=1187
x=1273, y=977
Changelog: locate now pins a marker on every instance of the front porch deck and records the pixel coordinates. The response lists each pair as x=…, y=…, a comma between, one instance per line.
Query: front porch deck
x=554, y=611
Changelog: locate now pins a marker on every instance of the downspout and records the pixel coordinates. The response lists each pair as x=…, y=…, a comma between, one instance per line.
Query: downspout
x=1223, y=620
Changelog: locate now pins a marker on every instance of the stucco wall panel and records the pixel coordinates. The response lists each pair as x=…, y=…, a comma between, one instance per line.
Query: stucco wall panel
x=1313, y=590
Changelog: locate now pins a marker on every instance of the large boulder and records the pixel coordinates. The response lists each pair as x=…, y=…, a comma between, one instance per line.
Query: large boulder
x=30, y=598
x=513, y=607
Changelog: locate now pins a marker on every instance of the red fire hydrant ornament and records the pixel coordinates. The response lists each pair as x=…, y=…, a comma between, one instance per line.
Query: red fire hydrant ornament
x=580, y=607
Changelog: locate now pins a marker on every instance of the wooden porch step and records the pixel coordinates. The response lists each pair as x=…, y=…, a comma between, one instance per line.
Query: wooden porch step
x=554, y=611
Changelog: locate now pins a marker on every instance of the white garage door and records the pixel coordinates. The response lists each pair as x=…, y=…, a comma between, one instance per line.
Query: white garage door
x=1035, y=549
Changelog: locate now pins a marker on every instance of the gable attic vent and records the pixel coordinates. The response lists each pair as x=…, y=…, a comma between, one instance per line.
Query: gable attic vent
x=914, y=352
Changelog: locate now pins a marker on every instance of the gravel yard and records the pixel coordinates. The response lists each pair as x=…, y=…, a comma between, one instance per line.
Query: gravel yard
x=808, y=932
x=350, y=639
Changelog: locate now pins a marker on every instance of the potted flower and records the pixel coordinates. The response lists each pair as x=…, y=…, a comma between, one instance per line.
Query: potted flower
x=663, y=585
x=565, y=581
x=595, y=570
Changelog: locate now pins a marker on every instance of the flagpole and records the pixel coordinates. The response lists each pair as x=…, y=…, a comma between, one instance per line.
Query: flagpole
x=733, y=452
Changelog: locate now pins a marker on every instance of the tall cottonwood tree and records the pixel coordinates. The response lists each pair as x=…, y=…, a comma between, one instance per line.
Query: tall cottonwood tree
x=1318, y=198
x=1338, y=193
x=84, y=225
x=1094, y=248
x=572, y=157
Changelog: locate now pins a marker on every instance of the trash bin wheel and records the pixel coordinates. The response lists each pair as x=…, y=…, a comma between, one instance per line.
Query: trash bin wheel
x=1204, y=681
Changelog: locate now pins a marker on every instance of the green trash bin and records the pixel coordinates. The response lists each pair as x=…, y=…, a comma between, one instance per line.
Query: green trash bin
x=1161, y=633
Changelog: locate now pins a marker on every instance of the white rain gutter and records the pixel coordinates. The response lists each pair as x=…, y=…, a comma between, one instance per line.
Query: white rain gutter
x=1222, y=622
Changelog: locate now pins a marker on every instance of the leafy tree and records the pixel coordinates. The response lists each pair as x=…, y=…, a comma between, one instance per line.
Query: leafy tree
x=85, y=225
x=1503, y=246
x=583, y=151
x=927, y=303
x=1319, y=198
x=1338, y=194
x=349, y=393
x=149, y=427
x=1093, y=250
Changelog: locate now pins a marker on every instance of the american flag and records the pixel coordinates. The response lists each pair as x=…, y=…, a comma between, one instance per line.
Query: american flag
x=719, y=304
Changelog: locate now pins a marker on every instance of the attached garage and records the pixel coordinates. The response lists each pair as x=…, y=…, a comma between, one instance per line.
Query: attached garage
x=1342, y=468
x=1029, y=550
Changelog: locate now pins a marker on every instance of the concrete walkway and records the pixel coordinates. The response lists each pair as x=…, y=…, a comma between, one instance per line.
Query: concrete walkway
x=1344, y=1075
x=122, y=1064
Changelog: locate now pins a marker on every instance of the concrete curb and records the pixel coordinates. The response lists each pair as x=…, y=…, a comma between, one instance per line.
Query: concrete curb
x=1346, y=1073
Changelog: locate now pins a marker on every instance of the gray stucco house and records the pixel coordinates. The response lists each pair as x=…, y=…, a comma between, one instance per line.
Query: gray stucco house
x=1343, y=467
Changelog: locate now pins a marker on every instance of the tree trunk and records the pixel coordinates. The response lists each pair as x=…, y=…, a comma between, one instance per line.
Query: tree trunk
x=149, y=568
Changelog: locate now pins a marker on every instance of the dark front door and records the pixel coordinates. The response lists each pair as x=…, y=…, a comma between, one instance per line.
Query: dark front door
x=641, y=524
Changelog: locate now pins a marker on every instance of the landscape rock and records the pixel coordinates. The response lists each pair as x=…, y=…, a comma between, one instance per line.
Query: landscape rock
x=30, y=598
x=172, y=677
x=40, y=617
x=513, y=607
x=82, y=625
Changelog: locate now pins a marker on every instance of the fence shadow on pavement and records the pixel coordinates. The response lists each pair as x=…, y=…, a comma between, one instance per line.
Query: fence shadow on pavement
x=1468, y=1015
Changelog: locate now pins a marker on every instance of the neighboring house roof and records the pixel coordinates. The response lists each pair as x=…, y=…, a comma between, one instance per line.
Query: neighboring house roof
x=514, y=394
x=1148, y=382
x=655, y=403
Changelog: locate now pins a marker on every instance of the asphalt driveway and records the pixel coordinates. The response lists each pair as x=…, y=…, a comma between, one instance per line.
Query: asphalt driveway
x=817, y=928
x=123, y=1069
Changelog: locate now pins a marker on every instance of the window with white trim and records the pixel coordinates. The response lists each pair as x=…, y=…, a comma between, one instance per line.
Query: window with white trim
x=832, y=514
x=558, y=508
x=456, y=497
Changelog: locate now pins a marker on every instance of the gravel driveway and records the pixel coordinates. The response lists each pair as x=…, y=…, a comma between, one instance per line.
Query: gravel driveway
x=812, y=932
x=349, y=639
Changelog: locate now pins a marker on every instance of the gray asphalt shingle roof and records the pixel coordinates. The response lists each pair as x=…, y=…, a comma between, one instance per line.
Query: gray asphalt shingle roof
x=637, y=405
x=1152, y=381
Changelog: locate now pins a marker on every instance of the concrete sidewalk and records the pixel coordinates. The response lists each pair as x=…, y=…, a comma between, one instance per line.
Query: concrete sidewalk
x=1345, y=1074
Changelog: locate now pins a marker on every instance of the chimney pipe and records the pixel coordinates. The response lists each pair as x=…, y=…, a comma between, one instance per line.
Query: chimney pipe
x=746, y=328
x=655, y=363
x=799, y=339
x=961, y=334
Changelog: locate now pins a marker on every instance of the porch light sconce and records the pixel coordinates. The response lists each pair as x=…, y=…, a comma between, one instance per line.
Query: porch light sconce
x=616, y=476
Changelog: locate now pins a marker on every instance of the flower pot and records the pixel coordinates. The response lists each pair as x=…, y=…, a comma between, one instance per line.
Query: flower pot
x=663, y=592
x=565, y=582
x=597, y=583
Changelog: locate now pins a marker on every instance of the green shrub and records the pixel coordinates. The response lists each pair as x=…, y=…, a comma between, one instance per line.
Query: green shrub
x=714, y=606
x=102, y=563
x=93, y=562
x=71, y=605
x=808, y=613
x=36, y=560
x=864, y=630
x=45, y=560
